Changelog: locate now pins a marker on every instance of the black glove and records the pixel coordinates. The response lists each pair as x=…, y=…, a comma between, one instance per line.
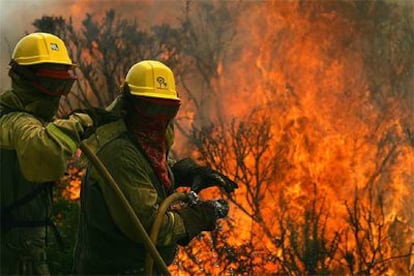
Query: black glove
x=99, y=117
x=221, y=208
x=187, y=173
x=202, y=217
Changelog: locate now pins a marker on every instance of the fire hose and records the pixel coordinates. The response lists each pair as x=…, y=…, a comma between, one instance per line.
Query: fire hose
x=155, y=230
x=149, y=244
x=152, y=254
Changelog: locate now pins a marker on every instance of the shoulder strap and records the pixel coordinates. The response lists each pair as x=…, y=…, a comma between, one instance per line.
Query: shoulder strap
x=7, y=219
x=32, y=194
x=26, y=198
x=5, y=110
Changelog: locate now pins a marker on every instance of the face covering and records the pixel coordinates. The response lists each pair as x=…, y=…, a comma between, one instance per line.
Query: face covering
x=27, y=98
x=147, y=120
x=48, y=78
x=37, y=88
x=44, y=108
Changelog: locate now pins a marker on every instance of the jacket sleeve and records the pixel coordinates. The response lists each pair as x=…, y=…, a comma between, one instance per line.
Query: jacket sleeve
x=42, y=149
x=132, y=175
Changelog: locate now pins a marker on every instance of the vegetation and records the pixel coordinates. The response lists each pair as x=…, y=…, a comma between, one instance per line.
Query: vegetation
x=320, y=146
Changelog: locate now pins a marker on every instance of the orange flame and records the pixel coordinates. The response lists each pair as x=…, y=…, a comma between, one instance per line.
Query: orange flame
x=331, y=139
x=305, y=72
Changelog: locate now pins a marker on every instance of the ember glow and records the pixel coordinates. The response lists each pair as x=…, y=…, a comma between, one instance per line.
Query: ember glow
x=325, y=163
x=343, y=159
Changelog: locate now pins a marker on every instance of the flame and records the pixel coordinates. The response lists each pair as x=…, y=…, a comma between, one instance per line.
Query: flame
x=337, y=146
x=72, y=183
x=308, y=75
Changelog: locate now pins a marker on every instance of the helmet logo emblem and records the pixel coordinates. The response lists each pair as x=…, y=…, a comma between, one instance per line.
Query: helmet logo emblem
x=161, y=81
x=54, y=47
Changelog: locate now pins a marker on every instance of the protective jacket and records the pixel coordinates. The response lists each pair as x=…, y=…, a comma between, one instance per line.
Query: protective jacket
x=106, y=242
x=33, y=154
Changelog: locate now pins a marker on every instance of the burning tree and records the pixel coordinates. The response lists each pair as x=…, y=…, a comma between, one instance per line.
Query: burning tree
x=338, y=126
x=308, y=106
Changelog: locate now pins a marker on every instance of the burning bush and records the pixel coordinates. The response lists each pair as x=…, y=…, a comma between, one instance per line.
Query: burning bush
x=323, y=141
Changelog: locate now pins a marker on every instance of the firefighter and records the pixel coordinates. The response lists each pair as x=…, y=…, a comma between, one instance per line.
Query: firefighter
x=34, y=148
x=135, y=150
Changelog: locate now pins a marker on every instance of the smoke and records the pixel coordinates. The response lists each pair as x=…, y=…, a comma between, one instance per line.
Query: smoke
x=16, y=18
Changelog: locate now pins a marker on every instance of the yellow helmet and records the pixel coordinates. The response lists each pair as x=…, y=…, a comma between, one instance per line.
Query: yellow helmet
x=37, y=48
x=153, y=79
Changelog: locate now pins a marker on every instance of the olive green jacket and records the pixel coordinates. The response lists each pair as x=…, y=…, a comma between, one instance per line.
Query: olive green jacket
x=33, y=152
x=107, y=243
x=42, y=148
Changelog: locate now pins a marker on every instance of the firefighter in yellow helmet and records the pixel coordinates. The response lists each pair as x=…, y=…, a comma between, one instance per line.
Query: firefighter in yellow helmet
x=135, y=151
x=34, y=148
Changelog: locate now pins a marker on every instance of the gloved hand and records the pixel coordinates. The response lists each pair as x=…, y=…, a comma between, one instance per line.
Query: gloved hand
x=97, y=116
x=84, y=119
x=221, y=208
x=202, y=217
x=187, y=173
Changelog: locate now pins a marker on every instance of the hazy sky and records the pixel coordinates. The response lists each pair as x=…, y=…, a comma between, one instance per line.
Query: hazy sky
x=16, y=17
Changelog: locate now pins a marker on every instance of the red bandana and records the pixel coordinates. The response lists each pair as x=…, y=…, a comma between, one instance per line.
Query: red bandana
x=149, y=129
